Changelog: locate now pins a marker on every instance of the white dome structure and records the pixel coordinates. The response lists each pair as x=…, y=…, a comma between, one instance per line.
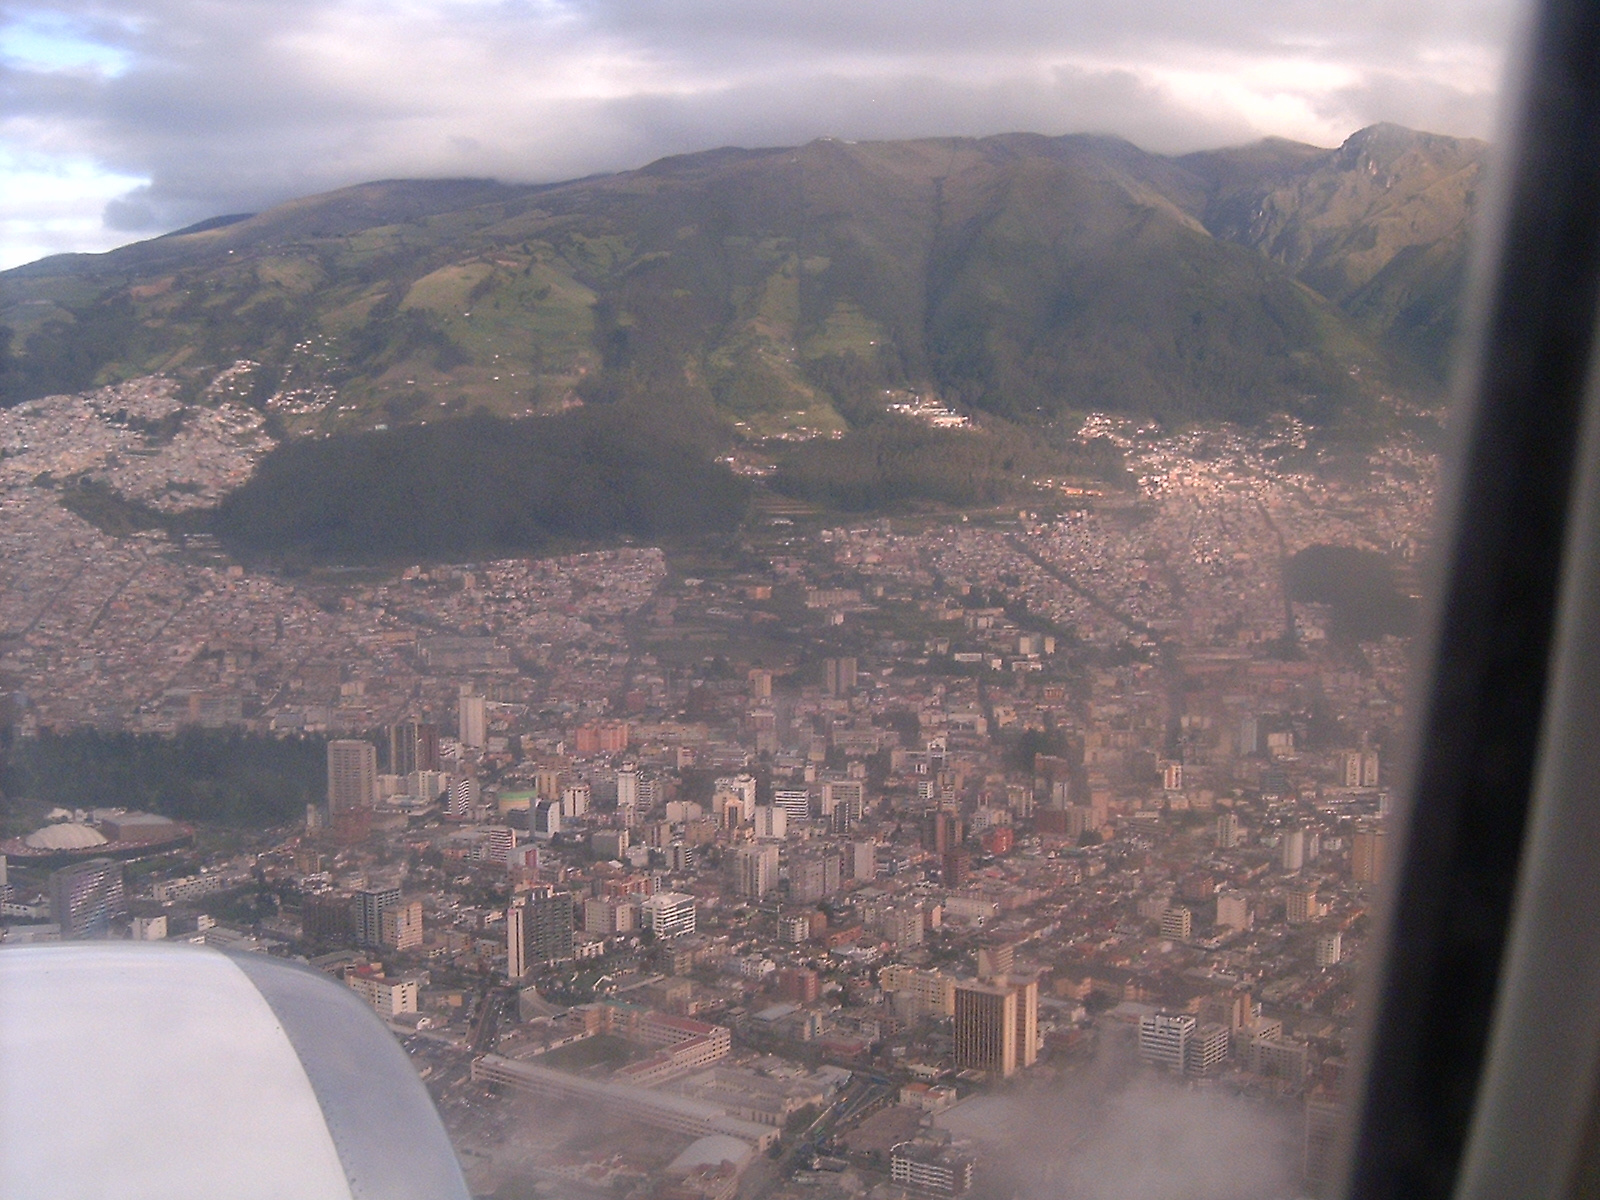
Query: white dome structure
x=66, y=836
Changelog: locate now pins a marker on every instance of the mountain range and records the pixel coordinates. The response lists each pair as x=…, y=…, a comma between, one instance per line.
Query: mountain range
x=1019, y=278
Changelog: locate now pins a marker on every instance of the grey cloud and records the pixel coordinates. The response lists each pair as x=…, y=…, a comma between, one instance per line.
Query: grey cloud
x=1431, y=105
x=131, y=213
x=234, y=106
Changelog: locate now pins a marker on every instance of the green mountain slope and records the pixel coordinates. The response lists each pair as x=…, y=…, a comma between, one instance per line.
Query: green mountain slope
x=789, y=290
x=1378, y=226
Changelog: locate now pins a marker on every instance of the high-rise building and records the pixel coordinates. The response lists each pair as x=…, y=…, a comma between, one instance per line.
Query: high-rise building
x=388, y=997
x=668, y=914
x=843, y=801
x=1301, y=905
x=743, y=786
x=814, y=878
x=1366, y=856
x=601, y=737
x=919, y=993
x=1208, y=1046
x=369, y=907
x=996, y=961
x=1027, y=992
x=87, y=897
x=627, y=794
x=1233, y=911
x=652, y=791
x=1329, y=949
x=473, y=720
x=1080, y=819
x=400, y=926
x=550, y=925
x=1293, y=849
x=575, y=798
x=986, y=1028
x=1164, y=1039
x=328, y=918
x=609, y=915
x=516, y=941
x=943, y=834
x=428, y=786
x=1234, y=1009
x=839, y=676
x=466, y=793
x=795, y=802
x=799, y=984
x=760, y=684
x=772, y=822
x=863, y=860
x=413, y=747
x=352, y=775
x=1360, y=768
x=1177, y=923
x=902, y=924
x=954, y=867
x=682, y=857
x=496, y=842
x=539, y=927
x=755, y=870
x=546, y=816
x=1227, y=831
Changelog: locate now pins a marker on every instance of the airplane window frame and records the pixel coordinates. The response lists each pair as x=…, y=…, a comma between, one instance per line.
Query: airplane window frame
x=1420, y=1129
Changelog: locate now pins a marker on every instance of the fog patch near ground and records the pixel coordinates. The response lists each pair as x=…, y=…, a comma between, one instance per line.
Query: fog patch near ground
x=1116, y=1130
x=509, y=1148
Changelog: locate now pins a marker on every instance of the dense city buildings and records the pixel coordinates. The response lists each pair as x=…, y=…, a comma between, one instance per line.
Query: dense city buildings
x=904, y=808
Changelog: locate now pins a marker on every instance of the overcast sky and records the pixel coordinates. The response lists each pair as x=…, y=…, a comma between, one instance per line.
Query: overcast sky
x=125, y=118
